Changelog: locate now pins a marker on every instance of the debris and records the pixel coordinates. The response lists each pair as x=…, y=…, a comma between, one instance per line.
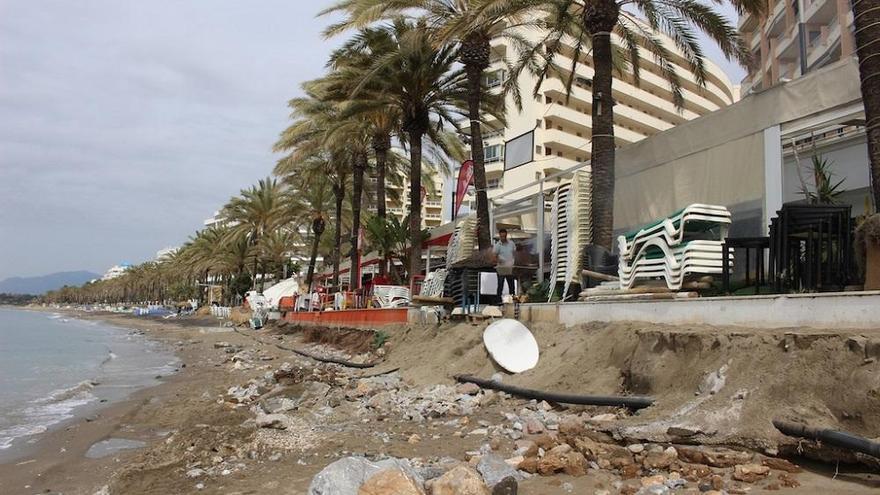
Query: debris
x=392, y=481
x=494, y=469
x=750, y=473
x=345, y=476
x=461, y=480
x=511, y=345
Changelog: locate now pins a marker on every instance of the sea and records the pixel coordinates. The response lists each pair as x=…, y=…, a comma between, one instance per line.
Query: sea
x=54, y=367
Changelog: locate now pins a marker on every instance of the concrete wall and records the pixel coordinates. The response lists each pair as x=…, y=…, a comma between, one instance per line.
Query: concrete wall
x=829, y=310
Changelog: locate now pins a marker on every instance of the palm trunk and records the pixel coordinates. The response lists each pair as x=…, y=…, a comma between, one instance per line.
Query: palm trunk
x=357, y=188
x=866, y=18
x=339, y=192
x=415, y=203
x=381, y=145
x=313, y=260
x=475, y=80
x=602, y=161
x=475, y=55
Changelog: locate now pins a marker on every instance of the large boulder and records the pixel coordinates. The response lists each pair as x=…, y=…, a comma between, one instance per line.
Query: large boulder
x=345, y=476
x=462, y=480
x=392, y=481
x=494, y=468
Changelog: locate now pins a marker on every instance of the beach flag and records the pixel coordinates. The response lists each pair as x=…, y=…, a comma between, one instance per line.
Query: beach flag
x=465, y=179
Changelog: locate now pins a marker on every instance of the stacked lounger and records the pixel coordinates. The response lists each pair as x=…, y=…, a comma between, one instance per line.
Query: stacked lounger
x=462, y=242
x=570, y=225
x=686, y=243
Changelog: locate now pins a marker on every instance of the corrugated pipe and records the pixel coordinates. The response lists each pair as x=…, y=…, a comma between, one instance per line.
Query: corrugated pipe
x=831, y=437
x=635, y=402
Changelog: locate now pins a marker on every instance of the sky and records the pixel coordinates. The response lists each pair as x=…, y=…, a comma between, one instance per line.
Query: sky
x=125, y=124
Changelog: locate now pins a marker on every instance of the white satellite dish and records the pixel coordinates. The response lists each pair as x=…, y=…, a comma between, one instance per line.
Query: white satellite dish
x=511, y=345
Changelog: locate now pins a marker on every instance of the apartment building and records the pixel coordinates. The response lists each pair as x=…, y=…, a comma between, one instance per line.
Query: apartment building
x=397, y=202
x=559, y=125
x=794, y=37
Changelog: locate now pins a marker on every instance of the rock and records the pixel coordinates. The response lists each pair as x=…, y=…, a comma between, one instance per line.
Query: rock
x=526, y=448
x=494, y=469
x=195, y=473
x=781, y=465
x=345, y=476
x=279, y=404
x=461, y=480
x=221, y=345
x=507, y=486
x=675, y=484
x=392, y=481
x=788, y=481
x=636, y=448
x=677, y=431
x=529, y=465
x=718, y=457
x=653, y=490
x=515, y=461
x=601, y=418
x=244, y=394
x=657, y=479
x=716, y=482
x=276, y=421
x=545, y=442
x=571, y=427
x=534, y=427
x=660, y=460
x=563, y=459
x=750, y=473
x=414, y=439
x=467, y=388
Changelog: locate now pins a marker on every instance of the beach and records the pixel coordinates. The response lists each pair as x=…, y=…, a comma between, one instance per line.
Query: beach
x=205, y=428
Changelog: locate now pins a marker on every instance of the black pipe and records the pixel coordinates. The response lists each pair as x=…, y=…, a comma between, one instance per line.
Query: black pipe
x=831, y=437
x=635, y=402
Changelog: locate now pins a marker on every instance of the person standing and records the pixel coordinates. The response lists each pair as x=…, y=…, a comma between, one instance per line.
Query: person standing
x=504, y=250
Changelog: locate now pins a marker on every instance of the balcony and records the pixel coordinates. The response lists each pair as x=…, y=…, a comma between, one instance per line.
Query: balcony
x=820, y=12
x=573, y=122
x=820, y=48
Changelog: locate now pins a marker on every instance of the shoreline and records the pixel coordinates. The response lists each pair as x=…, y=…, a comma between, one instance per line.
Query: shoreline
x=203, y=433
x=58, y=454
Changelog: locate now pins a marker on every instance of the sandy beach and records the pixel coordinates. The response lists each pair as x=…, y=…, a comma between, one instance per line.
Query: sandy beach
x=200, y=438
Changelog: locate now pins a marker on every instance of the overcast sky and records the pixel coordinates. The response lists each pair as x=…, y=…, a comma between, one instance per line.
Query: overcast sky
x=124, y=124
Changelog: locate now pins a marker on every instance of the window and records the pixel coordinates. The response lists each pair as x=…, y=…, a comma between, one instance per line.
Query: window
x=548, y=151
x=494, y=153
x=495, y=79
x=494, y=183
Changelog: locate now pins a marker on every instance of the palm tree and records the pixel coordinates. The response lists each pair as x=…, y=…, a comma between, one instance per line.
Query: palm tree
x=305, y=142
x=866, y=20
x=469, y=24
x=577, y=27
x=310, y=200
x=256, y=214
x=421, y=81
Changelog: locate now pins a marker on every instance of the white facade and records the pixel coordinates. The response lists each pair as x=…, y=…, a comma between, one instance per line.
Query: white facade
x=775, y=42
x=166, y=253
x=116, y=271
x=562, y=125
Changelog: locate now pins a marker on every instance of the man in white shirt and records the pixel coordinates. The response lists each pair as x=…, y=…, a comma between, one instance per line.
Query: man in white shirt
x=504, y=250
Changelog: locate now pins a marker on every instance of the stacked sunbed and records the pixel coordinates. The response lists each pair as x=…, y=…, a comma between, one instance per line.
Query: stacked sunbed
x=571, y=227
x=685, y=244
x=462, y=242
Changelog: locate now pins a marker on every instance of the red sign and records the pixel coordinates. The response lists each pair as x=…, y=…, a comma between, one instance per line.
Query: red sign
x=465, y=178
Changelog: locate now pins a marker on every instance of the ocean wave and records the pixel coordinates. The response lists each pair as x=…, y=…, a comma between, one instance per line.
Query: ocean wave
x=47, y=411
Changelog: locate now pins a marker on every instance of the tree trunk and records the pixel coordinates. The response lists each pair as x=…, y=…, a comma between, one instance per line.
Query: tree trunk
x=415, y=203
x=866, y=18
x=475, y=79
x=339, y=192
x=600, y=19
x=357, y=188
x=317, y=230
x=381, y=145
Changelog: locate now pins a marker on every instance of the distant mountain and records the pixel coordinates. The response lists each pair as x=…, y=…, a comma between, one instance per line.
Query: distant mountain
x=44, y=283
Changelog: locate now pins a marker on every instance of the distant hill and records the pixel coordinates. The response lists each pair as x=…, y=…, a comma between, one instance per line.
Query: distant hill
x=42, y=284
